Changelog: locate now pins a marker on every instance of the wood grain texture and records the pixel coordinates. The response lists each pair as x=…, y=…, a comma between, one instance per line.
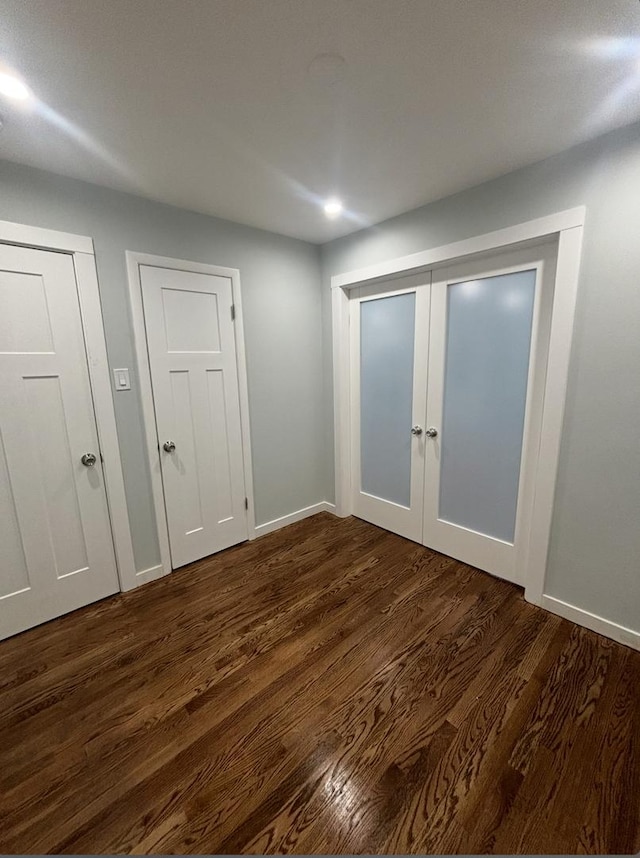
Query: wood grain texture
x=327, y=688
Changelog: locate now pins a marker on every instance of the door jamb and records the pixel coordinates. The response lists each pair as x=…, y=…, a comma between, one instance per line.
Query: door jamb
x=567, y=226
x=81, y=250
x=134, y=261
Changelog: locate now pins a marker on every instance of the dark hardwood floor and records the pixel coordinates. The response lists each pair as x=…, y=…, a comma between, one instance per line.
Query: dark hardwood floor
x=328, y=688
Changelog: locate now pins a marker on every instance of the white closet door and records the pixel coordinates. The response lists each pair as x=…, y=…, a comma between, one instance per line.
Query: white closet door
x=56, y=549
x=389, y=341
x=490, y=324
x=192, y=355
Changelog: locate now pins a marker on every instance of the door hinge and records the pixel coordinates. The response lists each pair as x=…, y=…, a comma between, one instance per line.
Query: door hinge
x=233, y=312
x=246, y=503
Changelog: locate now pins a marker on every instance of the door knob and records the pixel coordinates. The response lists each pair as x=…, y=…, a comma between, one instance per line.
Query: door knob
x=416, y=430
x=89, y=460
x=431, y=432
x=169, y=446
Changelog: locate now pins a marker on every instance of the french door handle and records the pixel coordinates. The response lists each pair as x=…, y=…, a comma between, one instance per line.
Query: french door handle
x=89, y=460
x=431, y=432
x=416, y=430
x=169, y=446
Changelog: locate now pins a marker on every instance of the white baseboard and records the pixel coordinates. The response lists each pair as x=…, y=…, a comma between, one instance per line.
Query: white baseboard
x=609, y=629
x=283, y=521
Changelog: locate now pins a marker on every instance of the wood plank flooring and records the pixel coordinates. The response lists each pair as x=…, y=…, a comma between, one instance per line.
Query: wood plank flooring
x=327, y=688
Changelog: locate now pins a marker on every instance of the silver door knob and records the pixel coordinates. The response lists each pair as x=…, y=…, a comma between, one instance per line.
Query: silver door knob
x=431, y=432
x=169, y=446
x=89, y=460
x=416, y=430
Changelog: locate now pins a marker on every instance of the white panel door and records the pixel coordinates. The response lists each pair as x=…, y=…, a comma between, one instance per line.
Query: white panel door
x=389, y=341
x=56, y=549
x=489, y=334
x=192, y=356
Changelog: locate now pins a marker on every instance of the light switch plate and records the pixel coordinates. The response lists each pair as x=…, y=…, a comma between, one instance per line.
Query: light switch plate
x=122, y=380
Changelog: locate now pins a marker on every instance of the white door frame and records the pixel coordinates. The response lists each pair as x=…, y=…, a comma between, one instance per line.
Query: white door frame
x=134, y=261
x=80, y=248
x=567, y=228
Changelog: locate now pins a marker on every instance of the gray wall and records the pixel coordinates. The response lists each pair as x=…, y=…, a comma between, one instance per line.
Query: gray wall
x=282, y=309
x=594, y=560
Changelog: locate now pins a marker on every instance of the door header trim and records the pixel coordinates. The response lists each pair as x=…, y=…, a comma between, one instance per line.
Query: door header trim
x=499, y=239
x=44, y=239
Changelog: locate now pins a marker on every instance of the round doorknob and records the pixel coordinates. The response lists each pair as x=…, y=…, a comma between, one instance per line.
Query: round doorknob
x=416, y=430
x=169, y=446
x=431, y=432
x=89, y=460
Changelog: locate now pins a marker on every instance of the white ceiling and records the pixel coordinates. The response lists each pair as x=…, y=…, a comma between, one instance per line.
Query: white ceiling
x=209, y=104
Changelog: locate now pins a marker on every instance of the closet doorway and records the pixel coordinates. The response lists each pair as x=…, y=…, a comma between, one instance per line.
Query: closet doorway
x=447, y=385
x=64, y=531
x=190, y=348
x=449, y=395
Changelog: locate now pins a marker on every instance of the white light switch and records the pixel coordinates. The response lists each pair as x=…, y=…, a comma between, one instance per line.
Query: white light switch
x=122, y=379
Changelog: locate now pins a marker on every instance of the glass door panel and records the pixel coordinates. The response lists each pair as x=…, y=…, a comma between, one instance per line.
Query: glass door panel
x=486, y=373
x=387, y=327
x=489, y=332
x=388, y=384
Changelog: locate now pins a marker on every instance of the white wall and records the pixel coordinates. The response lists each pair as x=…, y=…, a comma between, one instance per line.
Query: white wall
x=282, y=309
x=594, y=560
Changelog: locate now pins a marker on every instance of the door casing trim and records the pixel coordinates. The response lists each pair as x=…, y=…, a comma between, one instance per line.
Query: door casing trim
x=134, y=260
x=567, y=227
x=81, y=250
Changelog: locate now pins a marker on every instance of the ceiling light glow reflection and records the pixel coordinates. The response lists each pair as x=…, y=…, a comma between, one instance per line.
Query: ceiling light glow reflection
x=613, y=48
x=470, y=288
x=622, y=58
x=12, y=87
x=333, y=208
x=84, y=140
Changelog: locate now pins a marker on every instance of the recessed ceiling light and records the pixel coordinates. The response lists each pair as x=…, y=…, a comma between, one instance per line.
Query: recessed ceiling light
x=333, y=208
x=13, y=87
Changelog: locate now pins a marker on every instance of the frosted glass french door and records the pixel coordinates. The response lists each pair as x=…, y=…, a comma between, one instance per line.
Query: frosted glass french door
x=488, y=335
x=447, y=386
x=389, y=341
